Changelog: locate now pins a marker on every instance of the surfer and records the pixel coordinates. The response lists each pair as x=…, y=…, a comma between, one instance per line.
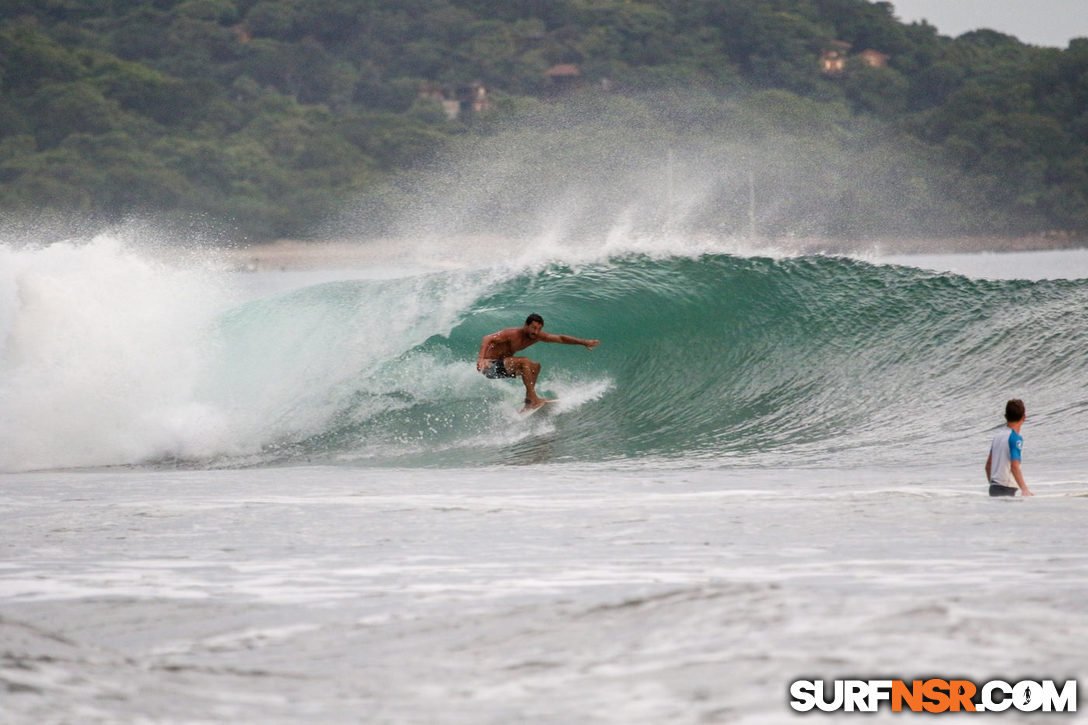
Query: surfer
x=496, y=358
x=1003, y=463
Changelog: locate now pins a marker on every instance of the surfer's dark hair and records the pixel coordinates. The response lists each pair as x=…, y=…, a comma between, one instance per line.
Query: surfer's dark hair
x=534, y=318
x=1014, y=410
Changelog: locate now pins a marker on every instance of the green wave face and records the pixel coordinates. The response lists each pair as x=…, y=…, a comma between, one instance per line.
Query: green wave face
x=812, y=361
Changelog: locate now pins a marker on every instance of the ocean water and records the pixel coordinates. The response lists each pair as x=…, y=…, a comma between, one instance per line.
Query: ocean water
x=288, y=496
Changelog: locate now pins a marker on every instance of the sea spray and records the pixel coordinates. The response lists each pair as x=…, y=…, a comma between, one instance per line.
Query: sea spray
x=102, y=350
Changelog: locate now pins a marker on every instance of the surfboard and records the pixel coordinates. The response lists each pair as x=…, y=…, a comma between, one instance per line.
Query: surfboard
x=543, y=404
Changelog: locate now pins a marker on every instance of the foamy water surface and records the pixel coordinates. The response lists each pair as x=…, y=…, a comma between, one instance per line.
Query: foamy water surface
x=535, y=594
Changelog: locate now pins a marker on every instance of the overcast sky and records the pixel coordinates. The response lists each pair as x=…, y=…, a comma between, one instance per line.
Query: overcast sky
x=1038, y=22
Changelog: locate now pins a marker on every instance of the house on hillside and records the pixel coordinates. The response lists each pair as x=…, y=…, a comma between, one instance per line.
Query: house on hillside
x=833, y=59
x=436, y=93
x=459, y=102
x=874, y=58
x=472, y=98
x=565, y=78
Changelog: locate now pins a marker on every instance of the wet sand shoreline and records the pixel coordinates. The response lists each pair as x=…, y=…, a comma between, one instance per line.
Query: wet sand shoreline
x=292, y=254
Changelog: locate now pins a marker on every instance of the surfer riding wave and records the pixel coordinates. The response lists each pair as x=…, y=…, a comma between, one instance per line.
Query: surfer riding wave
x=497, y=360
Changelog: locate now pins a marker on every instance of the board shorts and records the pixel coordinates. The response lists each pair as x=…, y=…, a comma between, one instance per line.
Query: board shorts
x=497, y=369
x=996, y=489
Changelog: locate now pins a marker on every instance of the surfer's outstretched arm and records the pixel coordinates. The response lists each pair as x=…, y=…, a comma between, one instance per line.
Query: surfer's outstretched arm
x=569, y=340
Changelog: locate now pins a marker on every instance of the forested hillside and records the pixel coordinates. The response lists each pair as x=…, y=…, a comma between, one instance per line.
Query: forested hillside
x=271, y=115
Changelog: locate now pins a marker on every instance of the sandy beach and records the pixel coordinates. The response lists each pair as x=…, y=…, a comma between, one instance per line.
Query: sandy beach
x=293, y=254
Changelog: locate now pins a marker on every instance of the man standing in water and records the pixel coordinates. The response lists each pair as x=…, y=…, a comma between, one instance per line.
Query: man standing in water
x=496, y=358
x=1003, y=464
